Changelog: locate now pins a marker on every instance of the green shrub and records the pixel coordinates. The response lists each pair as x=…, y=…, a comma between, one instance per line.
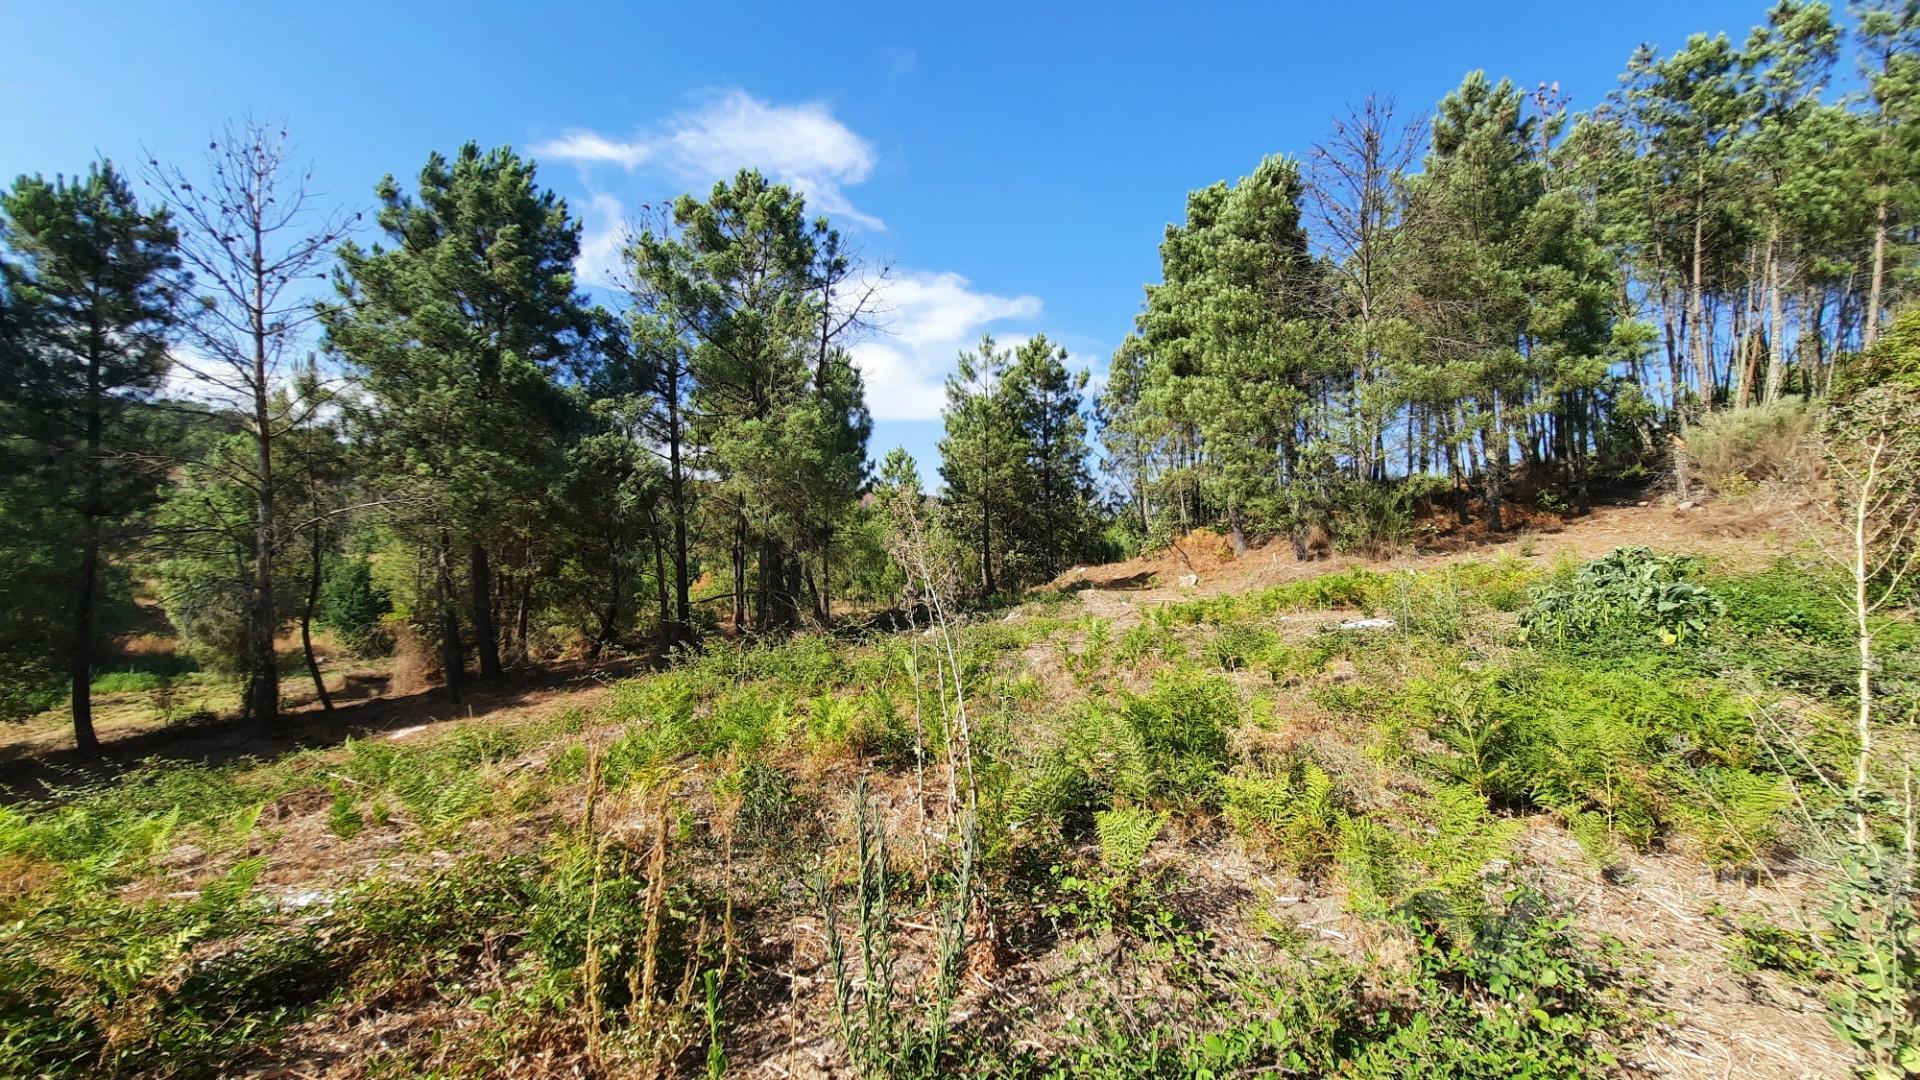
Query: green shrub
x=91, y=985
x=1434, y=860
x=765, y=800
x=1377, y=518
x=1355, y=587
x=106, y=833
x=1871, y=957
x=1760, y=442
x=130, y=682
x=1149, y=638
x=1625, y=595
x=1521, y=996
x=354, y=608
x=1183, y=723
x=1237, y=646
x=1291, y=814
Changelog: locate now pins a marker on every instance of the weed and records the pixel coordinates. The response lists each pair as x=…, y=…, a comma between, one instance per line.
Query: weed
x=343, y=816
x=879, y=1039
x=1435, y=861
x=1291, y=814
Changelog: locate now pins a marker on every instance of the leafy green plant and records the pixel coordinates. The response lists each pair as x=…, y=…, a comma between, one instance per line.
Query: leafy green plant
x=1435, y=861
x=1626, y=593
x=1114, y=891
x=1237, y=646
x=1872, y=957
x=1291, y=814
x=880, y=1039
x=343, y=814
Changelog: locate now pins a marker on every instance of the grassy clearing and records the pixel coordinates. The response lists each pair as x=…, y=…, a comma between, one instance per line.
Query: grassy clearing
x=820, y=837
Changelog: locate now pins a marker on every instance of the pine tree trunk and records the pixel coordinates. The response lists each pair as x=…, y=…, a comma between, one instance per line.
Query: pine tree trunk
x=486, y=639
x=669, y=631
x=763, y=592
x=826, y=580
x=683, y=605
x=1776, y=324
x=262, y=704
x=1696, y=315
x=986, y=546
x=609, y=615
x=1495, y=472
x=80, y=644
x=739, y=575
x=789, y=597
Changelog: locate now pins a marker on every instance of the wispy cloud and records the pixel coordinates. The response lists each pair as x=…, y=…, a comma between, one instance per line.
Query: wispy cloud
x=603, y=230
x=927, y=319
x=803, y=145
x=924, y=318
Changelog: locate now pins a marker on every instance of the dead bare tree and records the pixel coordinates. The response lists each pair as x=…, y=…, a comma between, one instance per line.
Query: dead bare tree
x=1872, y=525
x=252, y=242
x=1355, y=199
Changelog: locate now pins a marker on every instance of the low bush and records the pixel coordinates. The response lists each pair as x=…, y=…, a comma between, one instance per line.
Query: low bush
x=1620, y=600
x=1433, y=860
x=1522, y=995
x=1624, y=753
x=1733, y=448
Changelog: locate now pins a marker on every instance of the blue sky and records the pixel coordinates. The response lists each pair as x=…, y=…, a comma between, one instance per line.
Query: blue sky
x=1014, y=164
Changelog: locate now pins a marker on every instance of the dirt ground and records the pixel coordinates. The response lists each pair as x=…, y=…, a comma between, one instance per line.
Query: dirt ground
x=1202, y=564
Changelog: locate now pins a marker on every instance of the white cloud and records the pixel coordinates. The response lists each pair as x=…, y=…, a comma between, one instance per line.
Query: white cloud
x=585, y=146
x=927, y=319
x=603, y=231
x=802, y=145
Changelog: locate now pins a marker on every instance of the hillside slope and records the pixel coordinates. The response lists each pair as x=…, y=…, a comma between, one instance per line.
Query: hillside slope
x=1335, y=817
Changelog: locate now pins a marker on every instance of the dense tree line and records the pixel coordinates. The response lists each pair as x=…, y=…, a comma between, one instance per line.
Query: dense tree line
x=417, y=430
x=453, y=450
x=1512, y=297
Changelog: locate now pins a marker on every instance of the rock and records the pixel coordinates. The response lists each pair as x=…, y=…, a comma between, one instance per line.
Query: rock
x=1341, y=671
x=1688, y=505
x=1368, y=624
x=1188, y=581
x=1643, y=502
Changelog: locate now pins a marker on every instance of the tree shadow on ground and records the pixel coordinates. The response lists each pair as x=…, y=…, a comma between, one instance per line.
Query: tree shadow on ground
x=361, y=710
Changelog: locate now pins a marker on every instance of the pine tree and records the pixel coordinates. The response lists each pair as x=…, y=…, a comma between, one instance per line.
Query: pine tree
x=1471, y=205
x=1888, y=33
x=1235, y=324
x=1126, y=432
x=459, y=331
x=91, y=299
x=1046, y=401
x=748, y=284
x=982, y=456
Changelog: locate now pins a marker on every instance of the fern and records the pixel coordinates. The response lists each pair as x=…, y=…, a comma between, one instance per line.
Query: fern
x=1439, y=864
x=1294, y=816
x=1735, y=814
x=1125, y=834
x=1111, y=753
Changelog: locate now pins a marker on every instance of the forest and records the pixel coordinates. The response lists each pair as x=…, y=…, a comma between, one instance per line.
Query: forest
x=1467, y=630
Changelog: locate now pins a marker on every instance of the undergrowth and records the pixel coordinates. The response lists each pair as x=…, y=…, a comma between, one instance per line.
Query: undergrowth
x=609, y=890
